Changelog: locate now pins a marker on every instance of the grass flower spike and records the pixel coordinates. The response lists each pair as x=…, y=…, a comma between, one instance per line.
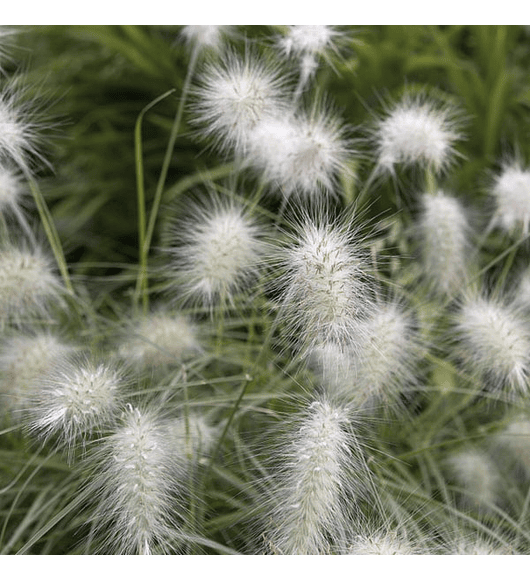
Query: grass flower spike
x=417, y=131
x=301, y=154
x=204, y=36
x=77, y=398
x=443, y=232
x=233, y=96
x=496, y=343
x=308, y=43
x=216, y=252
x=28, y=284
x=24, y=359
x=511, y=192
x=320, y=464
x=160, y=339
x=324, y=289
x=134, y=486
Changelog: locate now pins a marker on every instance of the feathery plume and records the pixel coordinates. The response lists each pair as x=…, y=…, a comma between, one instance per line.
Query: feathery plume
x=383, y=544
x=233, y=96
x=135, y=485
x=474, y=471
x=309, y=43
x=24, y=359
x=79, y=396
x=300, y=153
x=416, y=131
x=321, y=475
x=158, y=340
x=324, y=291
x=216, y=252
x=206, y=36
x=28, y=285
x=511, y=192
x=495, y=343
x=443, y=231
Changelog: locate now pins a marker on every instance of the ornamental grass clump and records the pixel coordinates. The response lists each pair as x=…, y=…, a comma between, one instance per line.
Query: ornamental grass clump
x=246, y=307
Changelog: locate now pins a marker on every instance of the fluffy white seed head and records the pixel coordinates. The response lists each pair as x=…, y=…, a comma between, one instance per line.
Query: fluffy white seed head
x=383, y=544
x=193, y=436
x=11, y=189
x=28, y=284
x=205, y=36
x=19, y=128
x=475, y=472
x=495, y=343
x=308, y=43
x=78, y=397
x=416, y=131
x=24, y=359
x=474, y=545
x=300, y=154
x=216, y=252
x=134, y=486
x=522, y=293
x=443, y=232
x=511, y=192
x=384, y=367
x=233, y=96
x=323, y=287
x=160, y=339
x=514, y=441
x=320, y=464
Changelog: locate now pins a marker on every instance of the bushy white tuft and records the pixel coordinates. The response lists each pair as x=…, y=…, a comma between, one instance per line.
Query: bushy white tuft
x=24, y=359
x=76, y=398
x=216, y=252
x=134, y=486
x=511, y=191
x=320, y=464
x=416, y=131
x=205, y=36
x=443, y=232
x=384, y=367
x=28, y=284
x=11, y=189
x=383, y=544
x=495, y=343
x=19, y=128
x=475, y=472
x=308, y=43
x=323, y=288
x=233, y=96
x=160, y=339
x=301, y=153
x=513, y=442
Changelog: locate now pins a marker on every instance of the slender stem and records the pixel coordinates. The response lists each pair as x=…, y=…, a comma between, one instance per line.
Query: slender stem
x=51, y=231
x=140, y=190
x=163, y=174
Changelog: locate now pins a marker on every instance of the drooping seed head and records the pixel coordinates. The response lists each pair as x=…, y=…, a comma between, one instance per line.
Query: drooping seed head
x=323, y=286
x=475, y=472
